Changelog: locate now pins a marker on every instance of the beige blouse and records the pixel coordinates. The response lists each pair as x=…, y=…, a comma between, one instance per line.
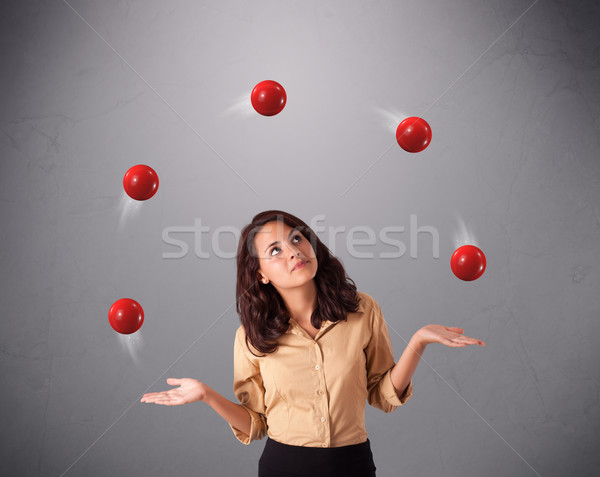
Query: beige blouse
x=312, y=392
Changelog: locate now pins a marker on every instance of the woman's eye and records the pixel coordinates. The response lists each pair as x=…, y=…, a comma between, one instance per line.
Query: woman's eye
x=299, y=237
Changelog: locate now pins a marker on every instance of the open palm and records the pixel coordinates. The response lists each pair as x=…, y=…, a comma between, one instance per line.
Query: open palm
x=189, y=390
x=449, y=336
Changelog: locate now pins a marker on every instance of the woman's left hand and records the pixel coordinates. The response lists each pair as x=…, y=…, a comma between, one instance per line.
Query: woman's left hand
x=447, y=336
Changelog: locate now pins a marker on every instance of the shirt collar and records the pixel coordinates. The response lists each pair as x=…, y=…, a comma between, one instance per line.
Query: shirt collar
x=326, y=324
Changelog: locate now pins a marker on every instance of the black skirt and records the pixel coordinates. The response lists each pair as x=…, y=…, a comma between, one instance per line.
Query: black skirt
x=283, y=460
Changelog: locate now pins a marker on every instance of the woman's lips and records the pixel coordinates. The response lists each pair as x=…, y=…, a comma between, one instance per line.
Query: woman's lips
x=299, y=265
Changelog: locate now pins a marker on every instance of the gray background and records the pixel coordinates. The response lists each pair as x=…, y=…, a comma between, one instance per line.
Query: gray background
x=513, y=99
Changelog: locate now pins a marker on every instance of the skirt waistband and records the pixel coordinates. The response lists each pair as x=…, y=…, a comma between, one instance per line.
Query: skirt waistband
x=343, y=450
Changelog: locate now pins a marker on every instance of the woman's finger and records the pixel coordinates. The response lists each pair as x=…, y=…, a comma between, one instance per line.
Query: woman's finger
x=474, y=340
x=158, y=400
x=148, y=395
x=466, y=338
x=152, y=396
x=153, y=401
x=469, y=340
x=164, y=402
x=451, y=342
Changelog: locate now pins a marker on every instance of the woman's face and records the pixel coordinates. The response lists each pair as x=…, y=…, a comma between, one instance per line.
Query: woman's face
x=280, y=248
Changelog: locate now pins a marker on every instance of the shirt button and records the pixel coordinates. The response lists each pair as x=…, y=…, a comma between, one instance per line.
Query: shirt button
x=317, y=367
x=322, y=419
x=320, y=391
x=324, y=444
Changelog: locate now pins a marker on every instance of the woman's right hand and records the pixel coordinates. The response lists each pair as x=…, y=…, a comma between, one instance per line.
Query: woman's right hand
x=189, y=390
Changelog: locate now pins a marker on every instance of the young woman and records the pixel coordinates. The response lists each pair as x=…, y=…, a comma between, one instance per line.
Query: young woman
x=309, y=352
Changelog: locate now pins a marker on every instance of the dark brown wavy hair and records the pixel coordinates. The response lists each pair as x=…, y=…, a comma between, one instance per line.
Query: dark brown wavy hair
x=262, y=311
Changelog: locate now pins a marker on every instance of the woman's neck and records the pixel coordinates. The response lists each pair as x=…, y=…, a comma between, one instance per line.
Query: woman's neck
x=301, y=301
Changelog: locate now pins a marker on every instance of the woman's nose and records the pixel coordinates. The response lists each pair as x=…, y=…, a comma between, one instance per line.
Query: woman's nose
x=293, y=251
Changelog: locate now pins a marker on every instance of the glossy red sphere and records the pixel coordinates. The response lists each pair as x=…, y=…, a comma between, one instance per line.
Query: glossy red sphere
x=468, y=262
x=140, y=182
x=413, y=134
x=126, y=316
x=268, y=98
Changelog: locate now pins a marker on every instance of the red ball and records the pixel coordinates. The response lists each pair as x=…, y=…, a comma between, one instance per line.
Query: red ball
x=468, y=262
x=268, y=98
x=126, y=316
x=140, y=182
x=413, y=134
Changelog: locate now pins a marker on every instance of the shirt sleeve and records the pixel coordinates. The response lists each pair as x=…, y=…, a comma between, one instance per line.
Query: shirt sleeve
x=248, y=388
x=380, y=361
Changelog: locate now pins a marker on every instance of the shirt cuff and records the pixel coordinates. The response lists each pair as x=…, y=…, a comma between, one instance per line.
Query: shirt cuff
x=257, y=428
x=390, y=394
